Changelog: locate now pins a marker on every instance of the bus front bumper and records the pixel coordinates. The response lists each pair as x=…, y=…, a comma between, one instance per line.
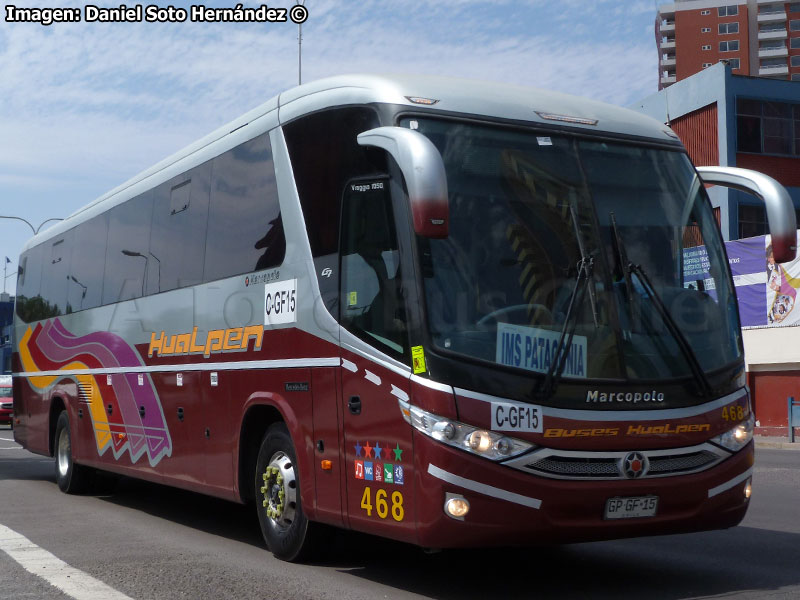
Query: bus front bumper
x=509, y=508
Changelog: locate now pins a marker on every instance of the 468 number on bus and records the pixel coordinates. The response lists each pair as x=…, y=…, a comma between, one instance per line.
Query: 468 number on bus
x=382, y=505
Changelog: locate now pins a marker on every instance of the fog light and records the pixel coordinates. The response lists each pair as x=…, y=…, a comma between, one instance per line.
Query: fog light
x=748, y=490
x=456, y=507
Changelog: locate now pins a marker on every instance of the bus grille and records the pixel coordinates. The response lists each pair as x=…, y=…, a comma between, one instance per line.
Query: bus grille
x=567, y=464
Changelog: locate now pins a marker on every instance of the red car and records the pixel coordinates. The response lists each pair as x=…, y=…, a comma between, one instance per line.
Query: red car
x=6, y=401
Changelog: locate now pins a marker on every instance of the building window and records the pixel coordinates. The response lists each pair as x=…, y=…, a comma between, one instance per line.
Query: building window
x=733, y=62
x=795, y=43
x=794, y=7
x=705, y=12
x=796, y=61
x=706, y=65
x=731, y=46
x=728, y=11
x=705, y=29
x=706, y=47
x=752, y=221
x=794, y=25
x=767, y=127
x=796, y=77
x=725, y=28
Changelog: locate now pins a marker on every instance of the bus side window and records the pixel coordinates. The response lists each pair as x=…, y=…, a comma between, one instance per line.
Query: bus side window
x=55, y=273
x=371, y=303
x=30, y=306
x=127, y=252
x=245, y=229
x=85, y=278
x=178, y=234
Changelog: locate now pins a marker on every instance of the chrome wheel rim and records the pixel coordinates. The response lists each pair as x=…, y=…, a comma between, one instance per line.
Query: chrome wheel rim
x=63, y=451
x=279, y=492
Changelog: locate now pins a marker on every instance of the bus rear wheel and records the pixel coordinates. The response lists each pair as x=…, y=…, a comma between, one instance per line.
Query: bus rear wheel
x=286, y=530
x=71, y=477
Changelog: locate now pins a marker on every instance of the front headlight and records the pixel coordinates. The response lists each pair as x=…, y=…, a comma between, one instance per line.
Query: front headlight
x=474, y=440
x=738, y=437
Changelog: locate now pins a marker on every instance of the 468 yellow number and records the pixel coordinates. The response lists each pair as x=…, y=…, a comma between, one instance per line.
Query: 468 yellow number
x=734, y=413
x=382, y=505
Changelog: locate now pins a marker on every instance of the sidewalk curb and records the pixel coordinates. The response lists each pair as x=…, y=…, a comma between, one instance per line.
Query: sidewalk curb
x=769, y=445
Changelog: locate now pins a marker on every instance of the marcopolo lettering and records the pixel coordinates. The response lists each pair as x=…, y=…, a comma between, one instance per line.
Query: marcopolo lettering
x=628, y=397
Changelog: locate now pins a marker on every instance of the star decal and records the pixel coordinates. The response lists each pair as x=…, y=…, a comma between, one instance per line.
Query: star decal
x=367, y=450
x=398, y=454
x=378, y=451
x=358, y=447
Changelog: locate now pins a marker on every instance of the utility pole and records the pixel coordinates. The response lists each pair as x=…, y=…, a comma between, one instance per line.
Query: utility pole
x=300, y=48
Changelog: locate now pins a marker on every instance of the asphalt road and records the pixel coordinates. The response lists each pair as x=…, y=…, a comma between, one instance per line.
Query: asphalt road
x=149, y=541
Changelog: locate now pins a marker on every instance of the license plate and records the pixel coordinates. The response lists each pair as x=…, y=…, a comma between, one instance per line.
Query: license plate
x=631, y=508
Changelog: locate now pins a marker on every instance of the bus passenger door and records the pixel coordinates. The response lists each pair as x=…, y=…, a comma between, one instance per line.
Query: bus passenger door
x=377, y=441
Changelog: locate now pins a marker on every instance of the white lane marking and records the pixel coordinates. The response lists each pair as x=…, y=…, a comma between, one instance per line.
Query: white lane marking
x=10, y=447
x=55, y=571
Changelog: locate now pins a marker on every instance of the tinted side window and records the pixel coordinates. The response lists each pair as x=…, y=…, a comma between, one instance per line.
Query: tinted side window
x=178, y=236
x=128, y=257
x=325, y=156
x=30, y=305
x=372, y=303
x=245, y=231
x=55, y=272
x=85, y=278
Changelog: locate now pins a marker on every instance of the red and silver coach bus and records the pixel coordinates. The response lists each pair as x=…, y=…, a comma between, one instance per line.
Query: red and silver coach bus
x=444, y=312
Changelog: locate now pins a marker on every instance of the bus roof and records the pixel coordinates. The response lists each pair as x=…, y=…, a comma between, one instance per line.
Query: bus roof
x=469, y=97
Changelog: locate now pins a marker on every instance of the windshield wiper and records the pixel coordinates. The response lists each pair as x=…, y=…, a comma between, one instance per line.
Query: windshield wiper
x=582, y=249
x=620, y=272
x=677, y=334
x=582, y=281
x=625, y=267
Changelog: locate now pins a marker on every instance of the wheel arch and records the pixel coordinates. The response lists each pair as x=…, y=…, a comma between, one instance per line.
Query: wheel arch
x=257, y=419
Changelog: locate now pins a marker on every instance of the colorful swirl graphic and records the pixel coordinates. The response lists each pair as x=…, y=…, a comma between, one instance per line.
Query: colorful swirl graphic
x=114, y=400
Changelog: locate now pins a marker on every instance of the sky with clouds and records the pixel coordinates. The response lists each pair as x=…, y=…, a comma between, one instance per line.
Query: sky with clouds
x=86, y=106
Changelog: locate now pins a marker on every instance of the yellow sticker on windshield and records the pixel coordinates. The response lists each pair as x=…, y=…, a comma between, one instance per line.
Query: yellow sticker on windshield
x=353, y=298
x=418, y=359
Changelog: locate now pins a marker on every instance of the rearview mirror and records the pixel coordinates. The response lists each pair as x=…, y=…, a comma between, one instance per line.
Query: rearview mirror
x=780, y=209
x=423, y=170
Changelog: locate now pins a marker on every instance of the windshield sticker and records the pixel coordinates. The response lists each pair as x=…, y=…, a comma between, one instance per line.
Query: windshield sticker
x=544, y=141
x=418, y=358
x=534, y=349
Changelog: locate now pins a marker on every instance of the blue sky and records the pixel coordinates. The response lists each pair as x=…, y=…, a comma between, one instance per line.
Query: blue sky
x=86, y=106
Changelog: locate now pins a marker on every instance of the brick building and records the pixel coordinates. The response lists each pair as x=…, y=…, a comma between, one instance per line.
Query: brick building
x=760, y=38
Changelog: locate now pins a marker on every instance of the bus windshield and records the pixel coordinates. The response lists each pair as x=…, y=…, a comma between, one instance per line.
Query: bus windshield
x=540, y=221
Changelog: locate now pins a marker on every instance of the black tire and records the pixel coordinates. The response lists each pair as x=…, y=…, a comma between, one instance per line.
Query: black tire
x=286, y=530
x=71, y=478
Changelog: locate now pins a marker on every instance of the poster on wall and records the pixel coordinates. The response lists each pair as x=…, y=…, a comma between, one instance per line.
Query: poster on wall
x=767, y=291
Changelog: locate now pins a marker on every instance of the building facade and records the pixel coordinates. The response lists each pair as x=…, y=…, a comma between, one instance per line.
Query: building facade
x=750, y=122
x=760, y=38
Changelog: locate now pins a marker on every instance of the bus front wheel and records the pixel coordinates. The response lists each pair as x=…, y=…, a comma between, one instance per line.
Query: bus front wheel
x=285, y=528
x=71, y=478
